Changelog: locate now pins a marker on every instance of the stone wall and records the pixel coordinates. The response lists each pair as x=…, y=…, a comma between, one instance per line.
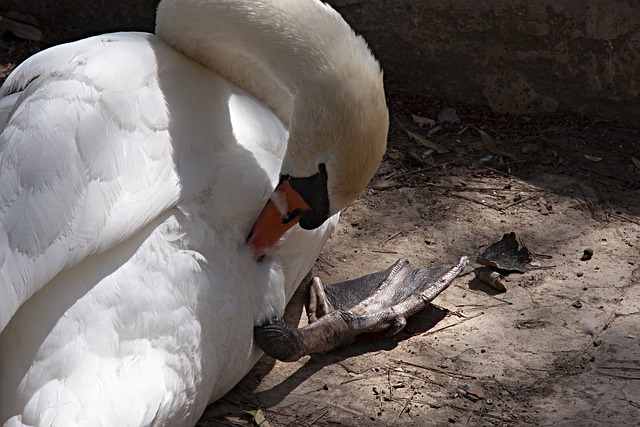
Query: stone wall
x=72, y=19
x=516, y=56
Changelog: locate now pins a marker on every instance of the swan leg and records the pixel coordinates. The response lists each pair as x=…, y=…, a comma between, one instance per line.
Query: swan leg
x=384, y=302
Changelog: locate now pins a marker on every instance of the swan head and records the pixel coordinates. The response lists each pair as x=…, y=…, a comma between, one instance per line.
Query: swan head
x=305, y=62
x=337, y=138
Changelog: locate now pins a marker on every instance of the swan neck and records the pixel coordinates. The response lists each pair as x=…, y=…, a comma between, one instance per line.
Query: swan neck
x=303, y=60
x=270, y=48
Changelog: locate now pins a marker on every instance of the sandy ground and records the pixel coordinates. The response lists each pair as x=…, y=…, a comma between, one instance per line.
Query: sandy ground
x=560, y=347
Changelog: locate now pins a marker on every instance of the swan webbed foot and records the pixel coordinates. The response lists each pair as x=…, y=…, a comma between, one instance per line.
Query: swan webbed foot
x=338, y=313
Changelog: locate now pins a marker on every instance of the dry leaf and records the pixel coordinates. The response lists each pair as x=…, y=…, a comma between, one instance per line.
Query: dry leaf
x=258, y=418
x=478, y=392
x=636, y=162
x=592, y=158
x=421, y=140
x=463, y=130
x=24, y=31
x=490, y=145
x=491, y=278
x=434, y=130
x=476, y=145
x=423, y=121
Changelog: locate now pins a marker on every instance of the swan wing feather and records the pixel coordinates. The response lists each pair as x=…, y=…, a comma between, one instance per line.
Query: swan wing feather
x=85, y=158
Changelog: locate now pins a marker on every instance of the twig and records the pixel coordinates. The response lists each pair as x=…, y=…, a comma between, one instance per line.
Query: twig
x=421, y=140
x=475, y=307
x=620, y=368
x=322, y=268
x=441, y=308
x=388, y=187
x=518, y=202
x=480, y=202
x=436, y=370
x=454, y=324
x=354, y=380
x=349, y=370
x=319, y=417
x=482, y=189
x=507, y=164
x=499, y=171
x=426, y=380
x=503, y=387
x=392, y=237
x=403, y=409
x=486, y=295
x=415, y=171
x=509, y=175
x=606, y=374
x=515, y=162
x=610, y=319
x=321, y=258
x=464, y=410
x=624, y=217
x=606, y=175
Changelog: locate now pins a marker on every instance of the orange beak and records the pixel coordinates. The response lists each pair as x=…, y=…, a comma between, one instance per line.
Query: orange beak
x=282, y=211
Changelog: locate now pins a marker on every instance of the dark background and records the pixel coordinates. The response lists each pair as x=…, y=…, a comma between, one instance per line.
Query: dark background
x=516, y=57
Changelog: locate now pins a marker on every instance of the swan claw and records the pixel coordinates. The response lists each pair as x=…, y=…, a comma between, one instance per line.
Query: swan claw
x=338, y=313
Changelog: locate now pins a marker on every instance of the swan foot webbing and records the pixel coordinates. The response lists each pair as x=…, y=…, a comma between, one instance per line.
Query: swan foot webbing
x=374, y=303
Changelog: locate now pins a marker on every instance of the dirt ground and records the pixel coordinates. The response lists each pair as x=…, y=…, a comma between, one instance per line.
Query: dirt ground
x=560, y=347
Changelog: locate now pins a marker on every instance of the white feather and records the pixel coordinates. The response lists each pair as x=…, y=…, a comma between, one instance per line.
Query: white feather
x=130, y=281
x=130, y=176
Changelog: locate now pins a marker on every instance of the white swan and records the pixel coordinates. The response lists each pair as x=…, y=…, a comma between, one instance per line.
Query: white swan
x=131, y=174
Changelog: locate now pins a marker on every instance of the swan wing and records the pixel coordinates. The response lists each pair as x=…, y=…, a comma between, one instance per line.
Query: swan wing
x=85, y=158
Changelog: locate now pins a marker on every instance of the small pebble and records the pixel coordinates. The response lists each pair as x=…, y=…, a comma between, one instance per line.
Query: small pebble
x=587, y=254
x=580, y=274
x=448, y=115
x=528, y=148
x=597, y=343
x=452, y=420
x=577, y=304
